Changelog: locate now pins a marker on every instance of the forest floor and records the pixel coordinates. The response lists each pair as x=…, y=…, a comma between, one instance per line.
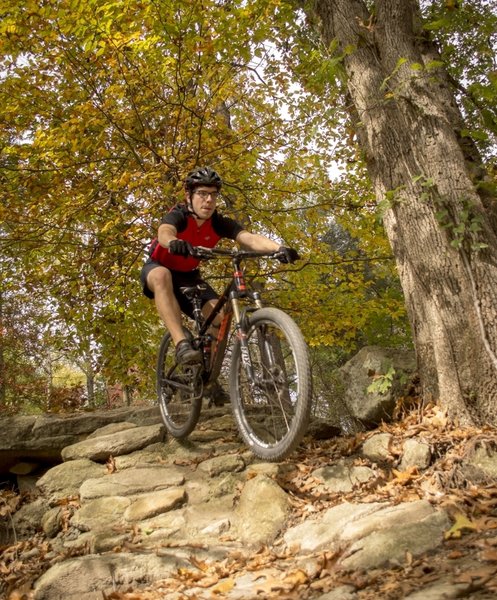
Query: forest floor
x=467, y=558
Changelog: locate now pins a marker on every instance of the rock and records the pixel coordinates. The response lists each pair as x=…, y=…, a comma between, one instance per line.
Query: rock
x=28, y=519
x=377, y=447
x=111, y=428
x=23, y=468
x=415, y=454
x=442, y=591
x=51, y=522
x=342, y=592
x=222, y=464
x=313, y=535
x=390, y=545
x=73, y=578
x=123, y=442
x=100, y=513
x=33, y=438
x=483, y=463
x=369, y=365
x=343, y=476
x=262, y=510
x=65, y=479
x=131, y=481
x=156, y=503
x=373, y=534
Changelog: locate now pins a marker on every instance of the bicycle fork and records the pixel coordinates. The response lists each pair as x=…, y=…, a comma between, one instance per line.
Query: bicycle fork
x=241, y=326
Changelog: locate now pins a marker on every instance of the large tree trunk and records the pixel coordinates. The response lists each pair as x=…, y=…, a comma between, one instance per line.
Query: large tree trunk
x=409, y=126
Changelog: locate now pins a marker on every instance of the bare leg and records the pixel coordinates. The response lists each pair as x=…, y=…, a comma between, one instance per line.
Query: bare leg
x=160, y=283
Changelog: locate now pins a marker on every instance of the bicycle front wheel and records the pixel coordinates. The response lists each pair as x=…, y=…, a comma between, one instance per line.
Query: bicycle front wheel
x=271, y=386
x=179, y=391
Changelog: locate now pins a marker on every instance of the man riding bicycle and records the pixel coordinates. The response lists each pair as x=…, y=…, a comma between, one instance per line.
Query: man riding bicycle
x=170, y=266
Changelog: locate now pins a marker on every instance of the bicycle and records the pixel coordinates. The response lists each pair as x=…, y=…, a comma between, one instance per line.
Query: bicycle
x=270, y=383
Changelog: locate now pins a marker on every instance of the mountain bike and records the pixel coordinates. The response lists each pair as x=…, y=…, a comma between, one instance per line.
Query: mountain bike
x=270, y=384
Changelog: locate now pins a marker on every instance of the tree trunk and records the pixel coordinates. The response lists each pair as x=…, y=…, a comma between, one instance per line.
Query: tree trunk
x=409, y=126
x=2, y=358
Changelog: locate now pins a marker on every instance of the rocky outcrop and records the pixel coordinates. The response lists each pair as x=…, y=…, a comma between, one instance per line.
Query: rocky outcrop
x=130, y=507
x=42, y=438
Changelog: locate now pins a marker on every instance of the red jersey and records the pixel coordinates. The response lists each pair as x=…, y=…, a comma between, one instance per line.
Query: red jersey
x=208, y=234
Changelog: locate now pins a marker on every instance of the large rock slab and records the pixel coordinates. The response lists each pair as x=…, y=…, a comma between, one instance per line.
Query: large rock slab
x=73, y=579
x=372, y=535
x=102, y=447
x=100, y=513
x=131, y=481
x=65, y=479
x=155, y=503
x=42, y=438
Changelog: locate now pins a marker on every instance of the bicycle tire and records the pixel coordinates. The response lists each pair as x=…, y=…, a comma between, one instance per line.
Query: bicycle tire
x=273, y=415
x=179, y=409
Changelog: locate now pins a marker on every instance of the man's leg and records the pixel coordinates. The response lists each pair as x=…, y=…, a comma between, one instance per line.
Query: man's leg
x=159, y=281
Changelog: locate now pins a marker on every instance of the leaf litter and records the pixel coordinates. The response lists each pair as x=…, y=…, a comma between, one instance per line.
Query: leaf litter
x=468, y=556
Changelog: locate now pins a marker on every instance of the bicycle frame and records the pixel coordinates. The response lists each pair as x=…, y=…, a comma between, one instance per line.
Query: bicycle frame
x=234, y=290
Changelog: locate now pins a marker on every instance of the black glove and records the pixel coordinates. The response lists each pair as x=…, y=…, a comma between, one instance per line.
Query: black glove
x=180, y=247
x=288, y=255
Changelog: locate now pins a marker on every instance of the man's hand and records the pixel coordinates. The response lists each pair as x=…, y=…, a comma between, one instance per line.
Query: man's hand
x=289, y=255
x=180, y=247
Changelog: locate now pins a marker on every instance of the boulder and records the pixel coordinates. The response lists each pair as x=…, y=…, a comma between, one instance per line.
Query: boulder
x=374, y=379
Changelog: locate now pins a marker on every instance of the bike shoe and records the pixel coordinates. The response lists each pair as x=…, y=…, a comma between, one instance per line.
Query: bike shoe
x=186, y=355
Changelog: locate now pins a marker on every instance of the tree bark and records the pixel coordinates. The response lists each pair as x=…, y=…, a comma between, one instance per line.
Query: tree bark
x=409, y=127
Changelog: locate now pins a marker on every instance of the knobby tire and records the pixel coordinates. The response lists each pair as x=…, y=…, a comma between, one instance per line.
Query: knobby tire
x=180, y=410
x=273, y=416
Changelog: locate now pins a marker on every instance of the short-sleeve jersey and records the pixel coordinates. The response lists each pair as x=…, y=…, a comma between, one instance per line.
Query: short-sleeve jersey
x=208, y=234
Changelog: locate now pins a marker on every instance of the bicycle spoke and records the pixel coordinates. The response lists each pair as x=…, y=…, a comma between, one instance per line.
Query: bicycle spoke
x=270, y=403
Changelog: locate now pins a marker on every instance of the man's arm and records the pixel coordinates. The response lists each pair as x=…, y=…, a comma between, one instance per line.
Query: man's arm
x=255, y=241
x=166, y=233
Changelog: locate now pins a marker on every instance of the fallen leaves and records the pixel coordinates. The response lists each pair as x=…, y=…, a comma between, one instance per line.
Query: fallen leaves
x=461, y=524
x=468, y=554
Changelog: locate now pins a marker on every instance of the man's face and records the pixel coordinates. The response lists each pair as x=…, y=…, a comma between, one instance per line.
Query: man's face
x=204, y=200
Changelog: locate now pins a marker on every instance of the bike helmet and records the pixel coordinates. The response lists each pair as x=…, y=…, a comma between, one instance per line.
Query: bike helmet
x=202, y=176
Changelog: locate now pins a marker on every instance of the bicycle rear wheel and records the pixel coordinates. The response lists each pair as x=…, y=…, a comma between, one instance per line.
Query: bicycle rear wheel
x=272, y=408
x=180, y=398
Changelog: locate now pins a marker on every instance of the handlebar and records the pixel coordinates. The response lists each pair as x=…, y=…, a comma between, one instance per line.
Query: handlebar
x=206, y=253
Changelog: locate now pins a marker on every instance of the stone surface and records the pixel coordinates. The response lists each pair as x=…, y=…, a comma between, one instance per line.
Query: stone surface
x=131, y=481
x=415, y=454
x=65, y=479
x=366, y=367
x=43, y=437
x=262, y=510
x=153, y=504
x=377, y=447
x=205, y=506
x=100, y=513
x=343, y=476
x=77, y=576
x=102, y=447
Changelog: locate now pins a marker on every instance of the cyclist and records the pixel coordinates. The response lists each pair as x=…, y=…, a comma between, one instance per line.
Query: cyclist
x=170, y=265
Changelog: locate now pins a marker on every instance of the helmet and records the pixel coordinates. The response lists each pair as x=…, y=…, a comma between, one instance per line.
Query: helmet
x=202, y=176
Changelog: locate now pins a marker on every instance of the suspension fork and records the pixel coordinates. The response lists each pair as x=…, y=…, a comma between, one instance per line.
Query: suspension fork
x=241, y=334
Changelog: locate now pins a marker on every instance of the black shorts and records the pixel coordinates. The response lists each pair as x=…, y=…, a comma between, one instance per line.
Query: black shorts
x=180, y=279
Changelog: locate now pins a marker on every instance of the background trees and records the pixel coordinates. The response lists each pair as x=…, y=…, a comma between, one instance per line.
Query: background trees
x=106, y=106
